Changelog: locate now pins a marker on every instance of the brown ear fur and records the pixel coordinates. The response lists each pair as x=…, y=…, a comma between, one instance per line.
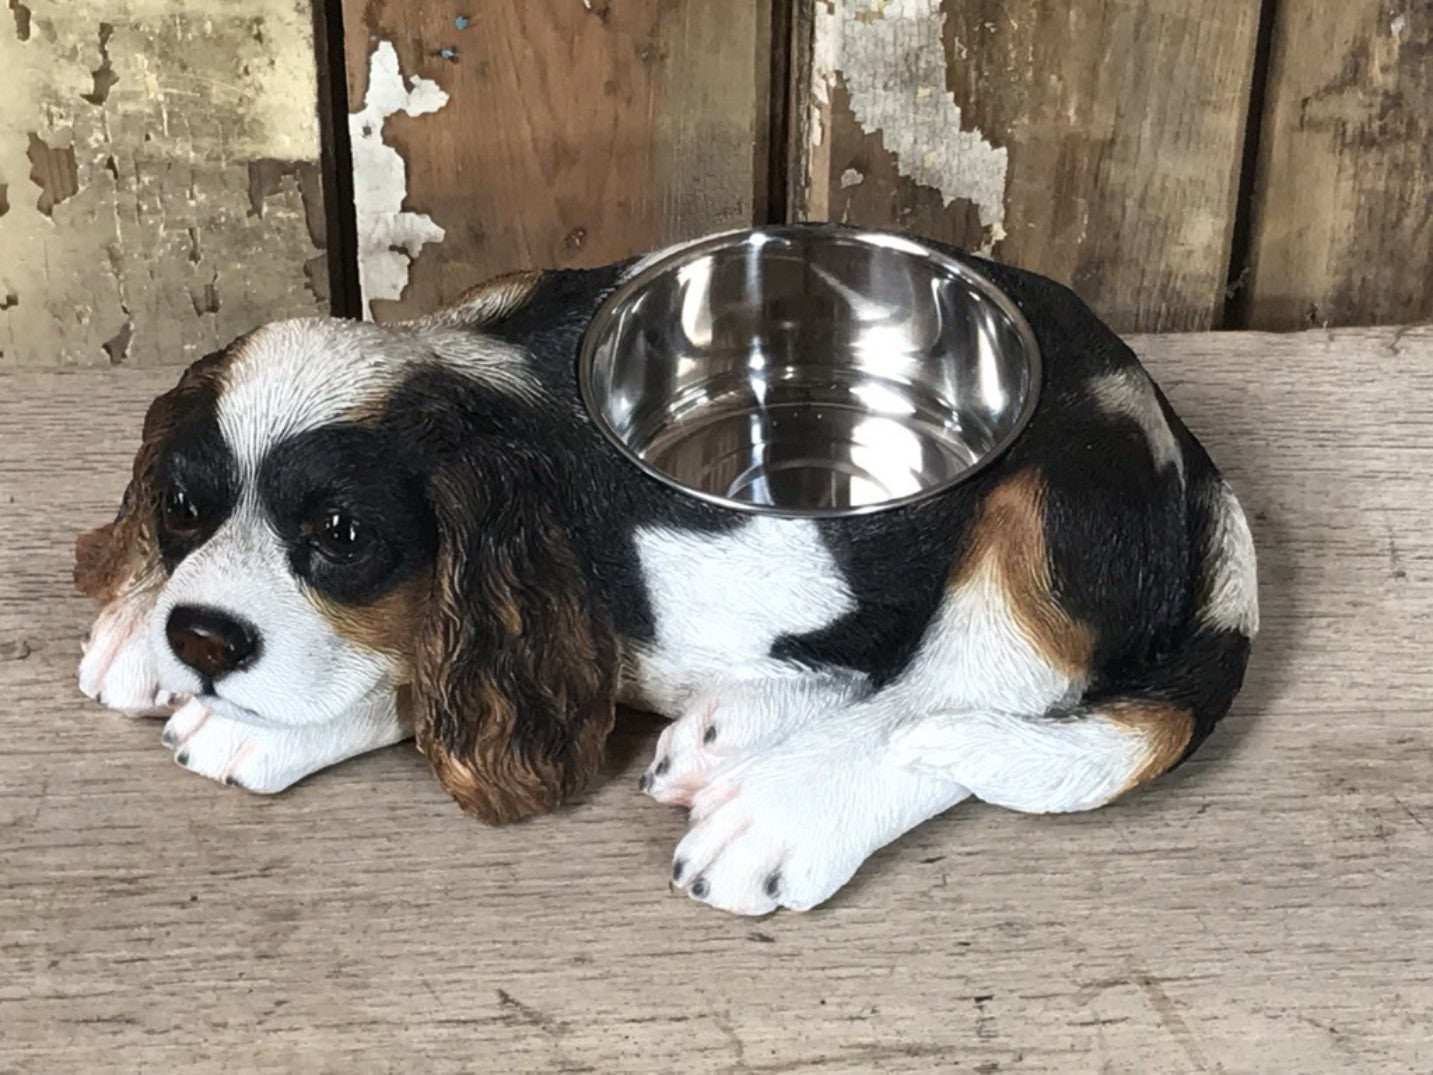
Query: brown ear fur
x=109, y=558
x=515, y=666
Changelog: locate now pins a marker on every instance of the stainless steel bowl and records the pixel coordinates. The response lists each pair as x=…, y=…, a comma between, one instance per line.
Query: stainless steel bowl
x=809, y=371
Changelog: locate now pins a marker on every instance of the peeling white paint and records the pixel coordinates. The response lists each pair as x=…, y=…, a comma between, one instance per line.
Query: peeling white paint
x=389, y=237
x=157, y=256
x=850, y=178
x=889, y=55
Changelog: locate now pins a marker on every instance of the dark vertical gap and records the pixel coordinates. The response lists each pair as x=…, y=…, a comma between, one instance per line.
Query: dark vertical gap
x=1236, y=288
x=345, y=298
x=778, y=120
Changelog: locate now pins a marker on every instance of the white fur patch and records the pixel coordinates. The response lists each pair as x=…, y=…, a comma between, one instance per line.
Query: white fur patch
x=118, y=669
x=975, y=654
x=1034, y=764
x=1129, y=393
x=293, y=376
x=267, y=759
x=1232, y=602
x=306, y=673
x=721, y=600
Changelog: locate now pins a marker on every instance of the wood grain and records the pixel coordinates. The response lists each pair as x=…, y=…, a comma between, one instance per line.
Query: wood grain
x=1265, y=909
x=1343, y=215
x=576, y=131
x=1121, y=125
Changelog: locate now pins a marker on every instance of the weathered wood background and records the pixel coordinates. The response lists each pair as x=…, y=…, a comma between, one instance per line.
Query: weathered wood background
x=1056, y=135
x=1185, y=164
x=159, y=181
x=1343, y=217
x=547, y=132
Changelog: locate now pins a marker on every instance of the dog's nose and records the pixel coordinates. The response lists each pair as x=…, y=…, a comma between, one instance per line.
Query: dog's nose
x=211, y=642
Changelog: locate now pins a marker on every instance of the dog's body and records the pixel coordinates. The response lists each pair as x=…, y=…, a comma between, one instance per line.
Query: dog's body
x=1059, y=629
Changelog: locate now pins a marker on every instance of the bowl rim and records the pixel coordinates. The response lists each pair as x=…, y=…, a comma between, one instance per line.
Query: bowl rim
x=649, y=266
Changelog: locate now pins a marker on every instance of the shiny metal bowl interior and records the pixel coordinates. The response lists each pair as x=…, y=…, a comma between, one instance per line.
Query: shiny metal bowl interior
x=809, y=371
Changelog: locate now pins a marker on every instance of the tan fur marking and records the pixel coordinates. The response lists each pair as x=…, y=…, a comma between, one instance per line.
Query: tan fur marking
x=118, y=556
x=497, y=784
x=1009, y=540
x=388, y=625
x=1165, y=729
x=496, y=298
x=108, y=557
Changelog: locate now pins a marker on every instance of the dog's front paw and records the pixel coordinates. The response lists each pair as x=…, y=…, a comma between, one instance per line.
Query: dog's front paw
x=248, y=756
x=789, y=825
x=733, y=719
x=117, y=667
x=268, y=758
x=773, y=831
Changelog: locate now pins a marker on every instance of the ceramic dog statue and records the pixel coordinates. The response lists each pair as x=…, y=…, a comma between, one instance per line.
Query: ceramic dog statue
x=340, y=535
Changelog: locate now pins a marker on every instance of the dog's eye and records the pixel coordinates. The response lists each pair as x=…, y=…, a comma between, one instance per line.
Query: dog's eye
x=181, y=514
x=339, y=537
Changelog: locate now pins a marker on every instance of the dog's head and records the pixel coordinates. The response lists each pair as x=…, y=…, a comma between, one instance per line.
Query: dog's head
x=326, y=509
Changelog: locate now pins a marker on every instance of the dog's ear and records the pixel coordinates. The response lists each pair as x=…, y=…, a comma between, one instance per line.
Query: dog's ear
x=486, y=303
x=110, y=559
x=514, y=675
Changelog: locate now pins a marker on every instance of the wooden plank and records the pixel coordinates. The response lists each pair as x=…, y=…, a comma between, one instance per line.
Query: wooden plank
x=159, y=180
x=1264, y=909
x=1096, y=141
x=1343, y=215
x=555, y=133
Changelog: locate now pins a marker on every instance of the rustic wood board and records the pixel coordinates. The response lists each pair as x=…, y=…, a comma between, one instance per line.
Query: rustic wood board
x=159, y=179
x=556, y=133
x=1343, y=215
x=1096, y=141
x=1263, y=910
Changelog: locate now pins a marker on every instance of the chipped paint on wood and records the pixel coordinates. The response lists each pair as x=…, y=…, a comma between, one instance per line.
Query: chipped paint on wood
x=389, y=237
x=127, y=133
x=1122, y=124
x=888, y=56
x=574, y=136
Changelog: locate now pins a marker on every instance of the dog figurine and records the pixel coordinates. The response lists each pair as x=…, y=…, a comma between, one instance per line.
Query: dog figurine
x=340, y=535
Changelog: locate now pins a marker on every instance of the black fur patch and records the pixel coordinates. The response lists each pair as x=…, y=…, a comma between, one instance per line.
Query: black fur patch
x=194, y=457
x=364, y=472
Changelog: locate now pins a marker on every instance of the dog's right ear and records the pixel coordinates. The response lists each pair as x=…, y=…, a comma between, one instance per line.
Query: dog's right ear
x=115, y=557
x=486, y=303
x=514, y=670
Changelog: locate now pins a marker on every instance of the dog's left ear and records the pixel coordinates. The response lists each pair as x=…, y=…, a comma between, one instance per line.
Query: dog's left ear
x=514, y=676
x=112, y=558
